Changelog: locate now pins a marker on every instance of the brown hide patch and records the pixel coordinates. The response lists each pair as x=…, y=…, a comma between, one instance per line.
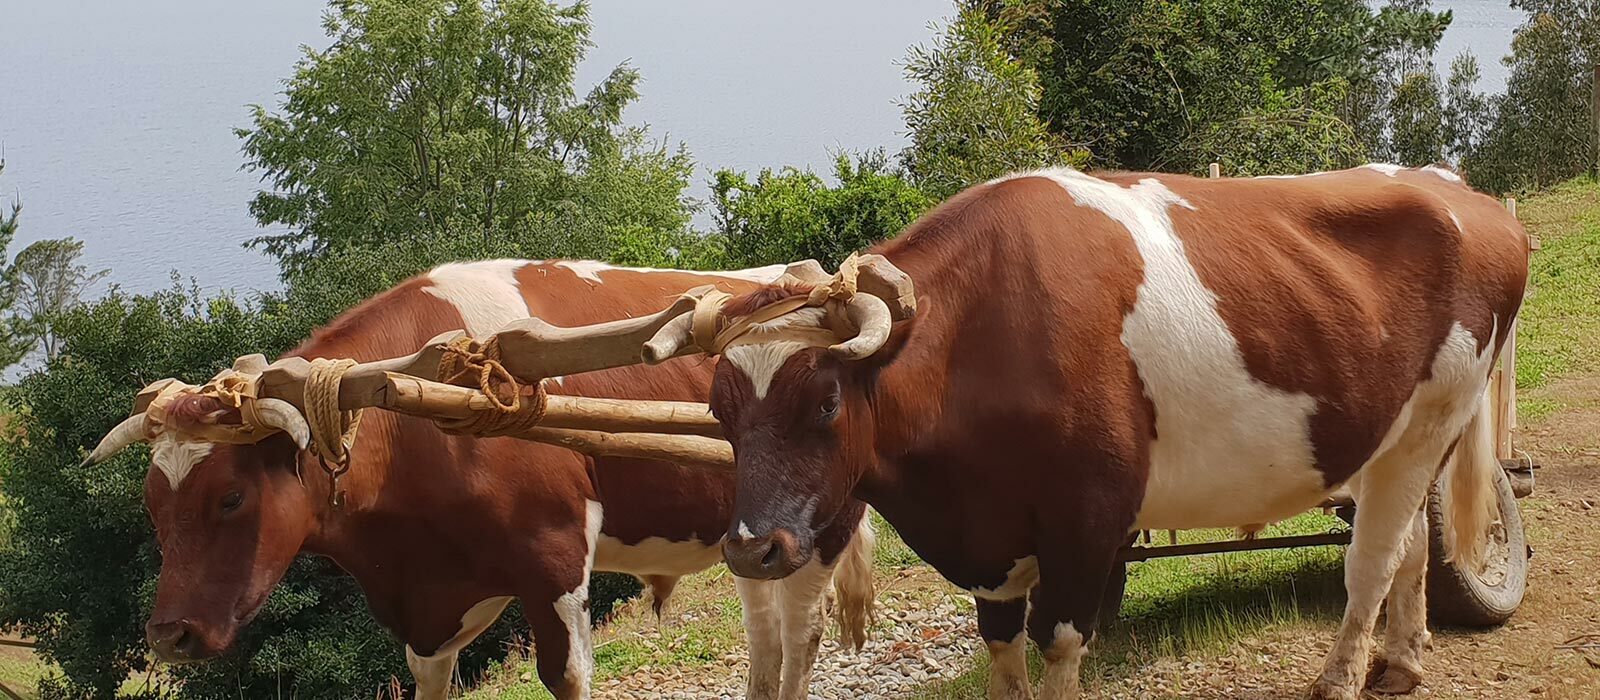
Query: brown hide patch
x=1014, y=396
x=1341, y=287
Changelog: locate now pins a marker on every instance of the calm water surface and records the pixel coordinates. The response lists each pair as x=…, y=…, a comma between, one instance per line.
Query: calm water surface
x=116, y=118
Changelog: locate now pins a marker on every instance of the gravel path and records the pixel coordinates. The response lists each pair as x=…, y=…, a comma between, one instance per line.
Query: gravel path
x=916, y=641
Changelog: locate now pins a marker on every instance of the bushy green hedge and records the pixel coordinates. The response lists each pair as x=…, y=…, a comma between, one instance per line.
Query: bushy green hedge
x=79, y=570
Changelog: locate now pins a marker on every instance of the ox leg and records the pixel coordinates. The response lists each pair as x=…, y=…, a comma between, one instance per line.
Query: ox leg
x=1406, y=630
x=1073, y=571
x=559, y=615
x=763, y=629
x=800, y=598
x=1001, y=624
x=1388, y=496
x=432, y=673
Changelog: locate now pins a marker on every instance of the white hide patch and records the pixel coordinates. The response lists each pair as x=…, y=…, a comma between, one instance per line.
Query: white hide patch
x=1062, y=661
x=573, y=608
x=1389, y=169
x=176, y=458
x=591, y=269
x=485, y=293
x=1443, y=173
x=656, y=556
x=1020, y=579
x=760, y=361
x=1217, y=427
x=433, y=672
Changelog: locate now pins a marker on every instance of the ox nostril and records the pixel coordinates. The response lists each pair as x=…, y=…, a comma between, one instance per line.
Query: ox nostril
x=171, y=641
x=774, y=556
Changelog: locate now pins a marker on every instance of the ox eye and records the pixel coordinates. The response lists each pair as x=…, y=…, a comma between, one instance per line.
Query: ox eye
x=829, y=406
x=232, y=501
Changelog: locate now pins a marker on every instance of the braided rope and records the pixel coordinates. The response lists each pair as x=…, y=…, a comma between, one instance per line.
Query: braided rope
x=466, y=362
x=333, y=431
x=467, y=359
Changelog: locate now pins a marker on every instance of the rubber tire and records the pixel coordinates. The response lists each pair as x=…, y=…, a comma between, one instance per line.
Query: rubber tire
x=1458, y=598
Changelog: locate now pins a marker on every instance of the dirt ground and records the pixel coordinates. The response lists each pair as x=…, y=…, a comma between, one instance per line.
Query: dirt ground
x=1519, y=660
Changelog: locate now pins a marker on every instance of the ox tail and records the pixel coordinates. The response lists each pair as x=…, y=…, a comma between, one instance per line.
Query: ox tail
x=1472, y=504
x=852, y=581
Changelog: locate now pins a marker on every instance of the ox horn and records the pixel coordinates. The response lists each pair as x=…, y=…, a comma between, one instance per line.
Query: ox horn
x=129, y=431
x=870, y=315
x=278, y=414
x=671, y=340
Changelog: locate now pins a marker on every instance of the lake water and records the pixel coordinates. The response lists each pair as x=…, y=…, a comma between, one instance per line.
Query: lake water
x=116, y=118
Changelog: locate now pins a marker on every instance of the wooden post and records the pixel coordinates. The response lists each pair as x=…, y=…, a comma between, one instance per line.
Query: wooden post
x=1594, y=116
x=1216, y=170
x=1504, y=392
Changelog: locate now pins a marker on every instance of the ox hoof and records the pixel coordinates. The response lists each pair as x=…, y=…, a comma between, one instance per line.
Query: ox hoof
x=1327, y=690
x=1392, y=680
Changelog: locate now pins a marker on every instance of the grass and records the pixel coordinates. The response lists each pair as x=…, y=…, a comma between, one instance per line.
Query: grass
x=1561, y=316
x=703, y=631
x=1199, y=605
x=21, y=671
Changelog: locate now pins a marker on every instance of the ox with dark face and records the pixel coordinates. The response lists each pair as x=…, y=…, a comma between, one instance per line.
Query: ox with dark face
x=799, y=453
x=792, y=396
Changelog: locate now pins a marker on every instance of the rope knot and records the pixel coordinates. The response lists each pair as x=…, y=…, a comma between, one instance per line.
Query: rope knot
x=467, y=362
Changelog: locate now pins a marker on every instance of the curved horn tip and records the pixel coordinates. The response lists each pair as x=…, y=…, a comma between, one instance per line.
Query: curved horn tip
x=669, y=341
x=871, y=316
x=129, y=431
x=282, y=415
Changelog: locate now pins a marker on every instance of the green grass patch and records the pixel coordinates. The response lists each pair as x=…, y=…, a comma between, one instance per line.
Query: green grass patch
x=1561, y=317
x=21, y=671
x=1200, y=605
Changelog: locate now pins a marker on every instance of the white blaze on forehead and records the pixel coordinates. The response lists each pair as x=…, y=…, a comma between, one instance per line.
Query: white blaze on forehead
x=1217, y=427
x=591, y=269
x=176, y=458
x=760, y=361
x=485, y=293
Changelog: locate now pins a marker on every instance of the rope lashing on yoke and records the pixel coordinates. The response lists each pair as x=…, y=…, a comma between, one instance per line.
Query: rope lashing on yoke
x=467, y=362
x=333, y=432
x=713, y=333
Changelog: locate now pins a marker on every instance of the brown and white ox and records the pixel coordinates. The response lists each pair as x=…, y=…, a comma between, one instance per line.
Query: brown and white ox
x=443, y=531
x=1097, y=354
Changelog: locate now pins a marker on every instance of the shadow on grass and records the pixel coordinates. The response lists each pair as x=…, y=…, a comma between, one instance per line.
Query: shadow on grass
x=1195, y=606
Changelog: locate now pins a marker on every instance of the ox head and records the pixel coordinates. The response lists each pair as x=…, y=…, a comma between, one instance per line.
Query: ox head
x=228, y=509
x=792, y=391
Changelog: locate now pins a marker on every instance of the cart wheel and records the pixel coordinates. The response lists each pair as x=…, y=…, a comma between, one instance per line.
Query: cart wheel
x=1487, y=597
x=1111, y=603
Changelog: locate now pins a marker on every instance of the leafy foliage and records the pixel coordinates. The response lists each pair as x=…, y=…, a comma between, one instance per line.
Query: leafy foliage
x=974, y=116
x=1541, y=133
x=1265, y=85
x=17, y=332
x=49, y=281
x=793, y=214
x=449, y=124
